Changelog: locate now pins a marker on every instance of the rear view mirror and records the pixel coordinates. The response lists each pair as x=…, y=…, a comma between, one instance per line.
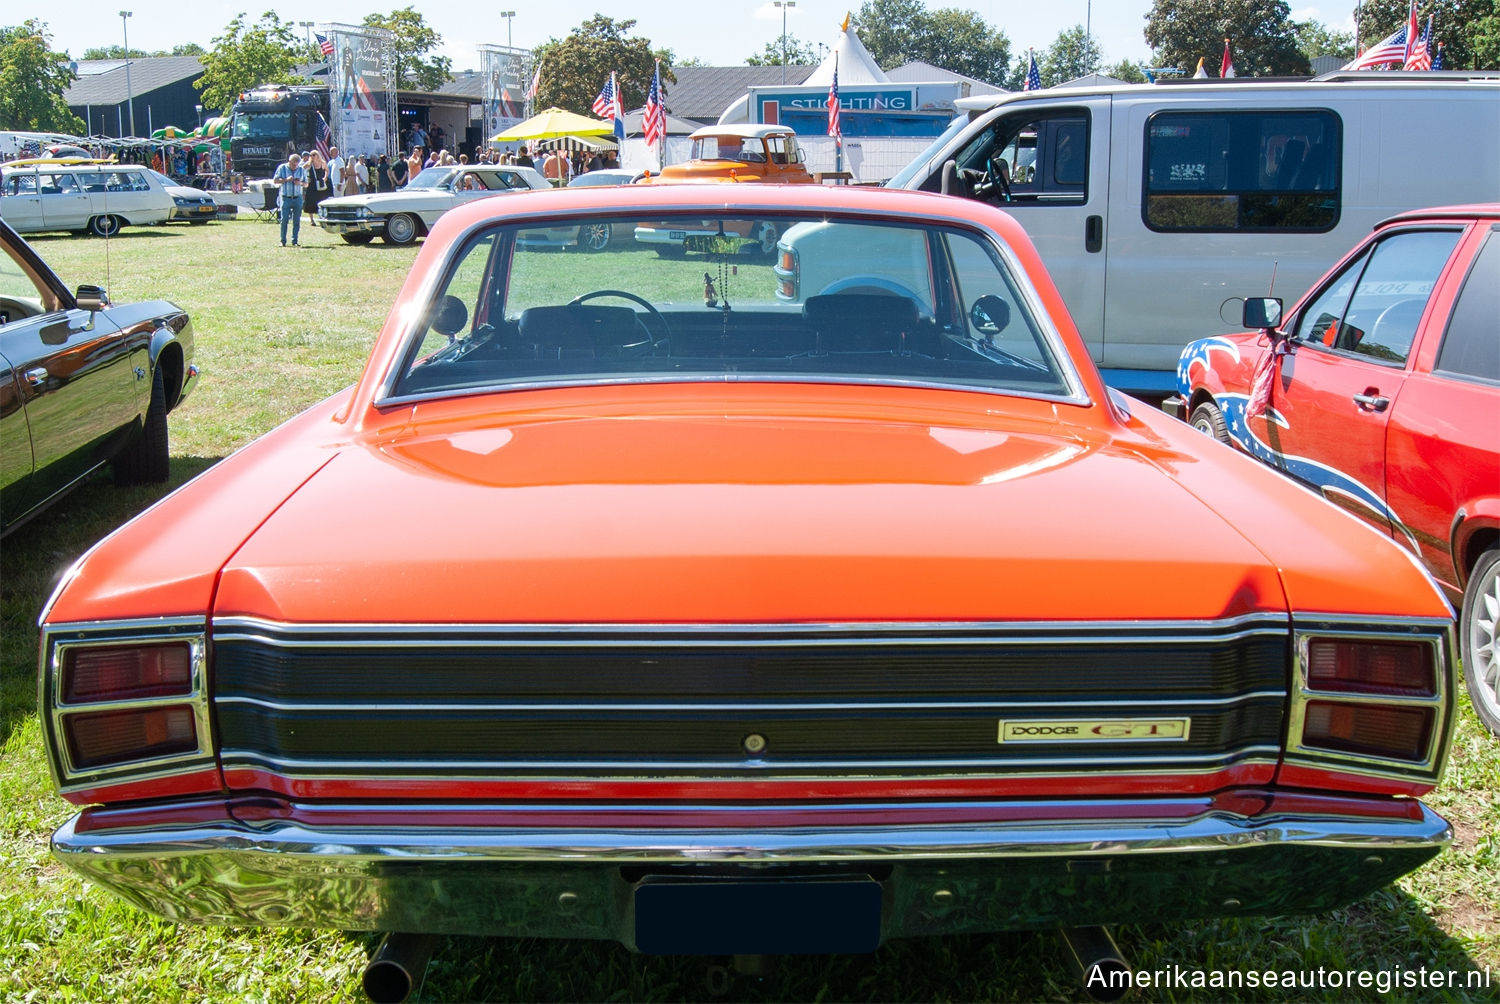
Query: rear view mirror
x=91, y=298
x=1262, y=312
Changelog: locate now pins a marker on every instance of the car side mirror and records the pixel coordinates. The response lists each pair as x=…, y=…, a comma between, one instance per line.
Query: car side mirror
x=91, y=298
x=989, y=314
x=1262, y=312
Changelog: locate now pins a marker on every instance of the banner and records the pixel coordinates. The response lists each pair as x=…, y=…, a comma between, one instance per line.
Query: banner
x=507, y=74
x=363, y=91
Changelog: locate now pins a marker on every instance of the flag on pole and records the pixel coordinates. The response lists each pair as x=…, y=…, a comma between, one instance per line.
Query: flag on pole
x=834, y=128
x=324, y=138
x=1437, y=58
x=1033, y=77
x=1200, y=72
x=1411, y=32
x=325, y=44
x=654, y=121
x=536, y=83
x=1421, y=53
x=1226, y=64
x=608, y=106
x=1394, y=48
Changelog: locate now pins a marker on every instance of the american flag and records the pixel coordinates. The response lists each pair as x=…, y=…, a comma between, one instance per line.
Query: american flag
x=325, y=44
x=1411, y=31
x=609, y=106
x=1421, y=53
x=834, y=128
x=1033, y=75
x=1391, y=49
x=654, y=121
x=536, y=83
x=325, y=136
x=1437, y=58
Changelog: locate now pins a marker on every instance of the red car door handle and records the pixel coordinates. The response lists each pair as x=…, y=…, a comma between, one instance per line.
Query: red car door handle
x=1372, y=401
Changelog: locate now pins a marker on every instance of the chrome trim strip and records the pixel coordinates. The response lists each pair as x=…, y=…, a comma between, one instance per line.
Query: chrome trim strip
x=1208, y=832
x=697, y=635
x=687, y=707
x=231, y=757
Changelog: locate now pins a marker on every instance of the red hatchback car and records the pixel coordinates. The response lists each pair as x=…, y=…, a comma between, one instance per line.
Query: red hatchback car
x=1384, y=395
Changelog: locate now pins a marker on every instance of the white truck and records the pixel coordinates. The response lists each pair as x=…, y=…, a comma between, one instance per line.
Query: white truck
x=1152, y=204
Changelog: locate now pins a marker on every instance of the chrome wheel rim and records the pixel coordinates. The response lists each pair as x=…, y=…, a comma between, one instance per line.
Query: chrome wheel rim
x=400, y=228
x=596, y=236
x=1482, y=630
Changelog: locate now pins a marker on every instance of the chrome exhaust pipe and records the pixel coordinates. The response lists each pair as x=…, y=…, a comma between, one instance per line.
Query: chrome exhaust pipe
x=1096, y=960
x=397, y=967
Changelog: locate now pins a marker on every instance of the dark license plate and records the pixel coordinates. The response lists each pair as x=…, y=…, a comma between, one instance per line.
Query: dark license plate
x=760, y=917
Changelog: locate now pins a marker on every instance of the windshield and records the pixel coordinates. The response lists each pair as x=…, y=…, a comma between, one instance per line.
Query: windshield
x=432, y=177
x=722, y=297
x=919, y=162
x=274, y=125
x=728, y=148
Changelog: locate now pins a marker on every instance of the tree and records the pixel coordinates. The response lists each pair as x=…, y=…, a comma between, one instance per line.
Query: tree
x=246, y=56
x=188, y=49
x=1130, y=72
x=1260, y=33
x=1316, y=39
x=32, y=81
x=900, y=31
x=576, y=67
x=1071, y=55
x=414, y=39
x=1468, y=29
x=788, y=49
x=115, y=52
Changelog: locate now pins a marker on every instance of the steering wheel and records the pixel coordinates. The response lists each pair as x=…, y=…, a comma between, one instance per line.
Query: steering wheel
x=666, y=331
x=994, y=174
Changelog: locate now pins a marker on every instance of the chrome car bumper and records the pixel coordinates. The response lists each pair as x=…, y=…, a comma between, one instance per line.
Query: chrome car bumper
x=374, y=225
x=520, y=870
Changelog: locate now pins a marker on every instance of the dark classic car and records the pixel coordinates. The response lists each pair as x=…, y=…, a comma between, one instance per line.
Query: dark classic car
x=699, y=605
x=1382, y=393
x=83, y=383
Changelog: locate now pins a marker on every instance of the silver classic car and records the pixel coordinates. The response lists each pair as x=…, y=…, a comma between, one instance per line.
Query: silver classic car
x=401, y=217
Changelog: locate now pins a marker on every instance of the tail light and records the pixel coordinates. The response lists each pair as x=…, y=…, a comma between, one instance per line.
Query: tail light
x=126, y=703
x=1376, y=701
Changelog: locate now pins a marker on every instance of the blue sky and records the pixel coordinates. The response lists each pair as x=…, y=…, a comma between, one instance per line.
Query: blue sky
x=721, y=34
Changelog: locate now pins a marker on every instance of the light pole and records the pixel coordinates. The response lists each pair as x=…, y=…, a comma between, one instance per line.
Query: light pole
x=129, y=92
x=306, y=27
x=510, y=19
x=200, y=115
x=783, y=4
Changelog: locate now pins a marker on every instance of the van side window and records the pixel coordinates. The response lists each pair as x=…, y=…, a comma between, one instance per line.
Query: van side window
x=20, y=184
x=1470, y=347
x=1248, y=171
x=1029, y=159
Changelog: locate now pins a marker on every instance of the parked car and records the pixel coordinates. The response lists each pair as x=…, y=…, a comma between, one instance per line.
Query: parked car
x=786, y=625
x=188, y=203
x=98, y=198
x=83, y=383
x=1387, y=402
x=728, y=154
x=592, y=237
x=402, y=216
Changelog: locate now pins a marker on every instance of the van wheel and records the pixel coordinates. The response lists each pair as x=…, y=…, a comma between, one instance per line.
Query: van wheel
x=1479, y=625
x=401, y=229
x=147, y=460
x=104, y=226
x=1208, y=419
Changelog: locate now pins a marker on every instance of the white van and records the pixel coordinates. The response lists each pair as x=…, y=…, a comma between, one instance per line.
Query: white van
x=99, y=198
x=1152, y=204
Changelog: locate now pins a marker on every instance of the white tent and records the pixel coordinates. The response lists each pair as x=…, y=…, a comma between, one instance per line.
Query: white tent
x=855, y=64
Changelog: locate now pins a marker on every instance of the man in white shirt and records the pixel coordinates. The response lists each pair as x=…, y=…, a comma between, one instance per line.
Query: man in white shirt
x=335, y=171
x=362, y=172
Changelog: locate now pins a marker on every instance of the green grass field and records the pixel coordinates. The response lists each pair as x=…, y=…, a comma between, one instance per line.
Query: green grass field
x=278, y=329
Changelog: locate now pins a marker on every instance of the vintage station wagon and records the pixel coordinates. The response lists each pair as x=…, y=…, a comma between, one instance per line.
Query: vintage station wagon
x=698, y=605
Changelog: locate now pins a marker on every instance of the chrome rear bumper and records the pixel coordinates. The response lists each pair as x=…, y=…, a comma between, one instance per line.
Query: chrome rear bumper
x=989, y=866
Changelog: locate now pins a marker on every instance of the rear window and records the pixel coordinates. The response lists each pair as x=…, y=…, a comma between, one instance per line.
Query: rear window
x=1253, y=171
x=726, y=298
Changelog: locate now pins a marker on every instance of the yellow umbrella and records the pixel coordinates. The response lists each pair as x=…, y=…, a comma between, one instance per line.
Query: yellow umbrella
x=552, y=123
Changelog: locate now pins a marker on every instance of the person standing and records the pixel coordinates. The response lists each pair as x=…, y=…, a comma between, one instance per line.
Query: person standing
x=524, y=159
x=292, y=178
x=383, y=174
x=317, y=184
x=361, y=174
x=335, y=171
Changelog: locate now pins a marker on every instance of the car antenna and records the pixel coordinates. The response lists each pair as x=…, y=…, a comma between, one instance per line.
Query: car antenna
x=1275, y=263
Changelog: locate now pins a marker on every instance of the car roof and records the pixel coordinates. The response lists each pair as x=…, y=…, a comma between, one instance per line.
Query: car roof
x=1473, y=210
x=742, y=131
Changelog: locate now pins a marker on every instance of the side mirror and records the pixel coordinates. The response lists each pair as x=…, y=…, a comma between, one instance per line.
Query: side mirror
x=989, y=314
x=91, y=298
x=1262, y=312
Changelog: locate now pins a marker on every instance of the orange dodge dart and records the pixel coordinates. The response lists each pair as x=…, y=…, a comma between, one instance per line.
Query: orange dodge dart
x=741, y=604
